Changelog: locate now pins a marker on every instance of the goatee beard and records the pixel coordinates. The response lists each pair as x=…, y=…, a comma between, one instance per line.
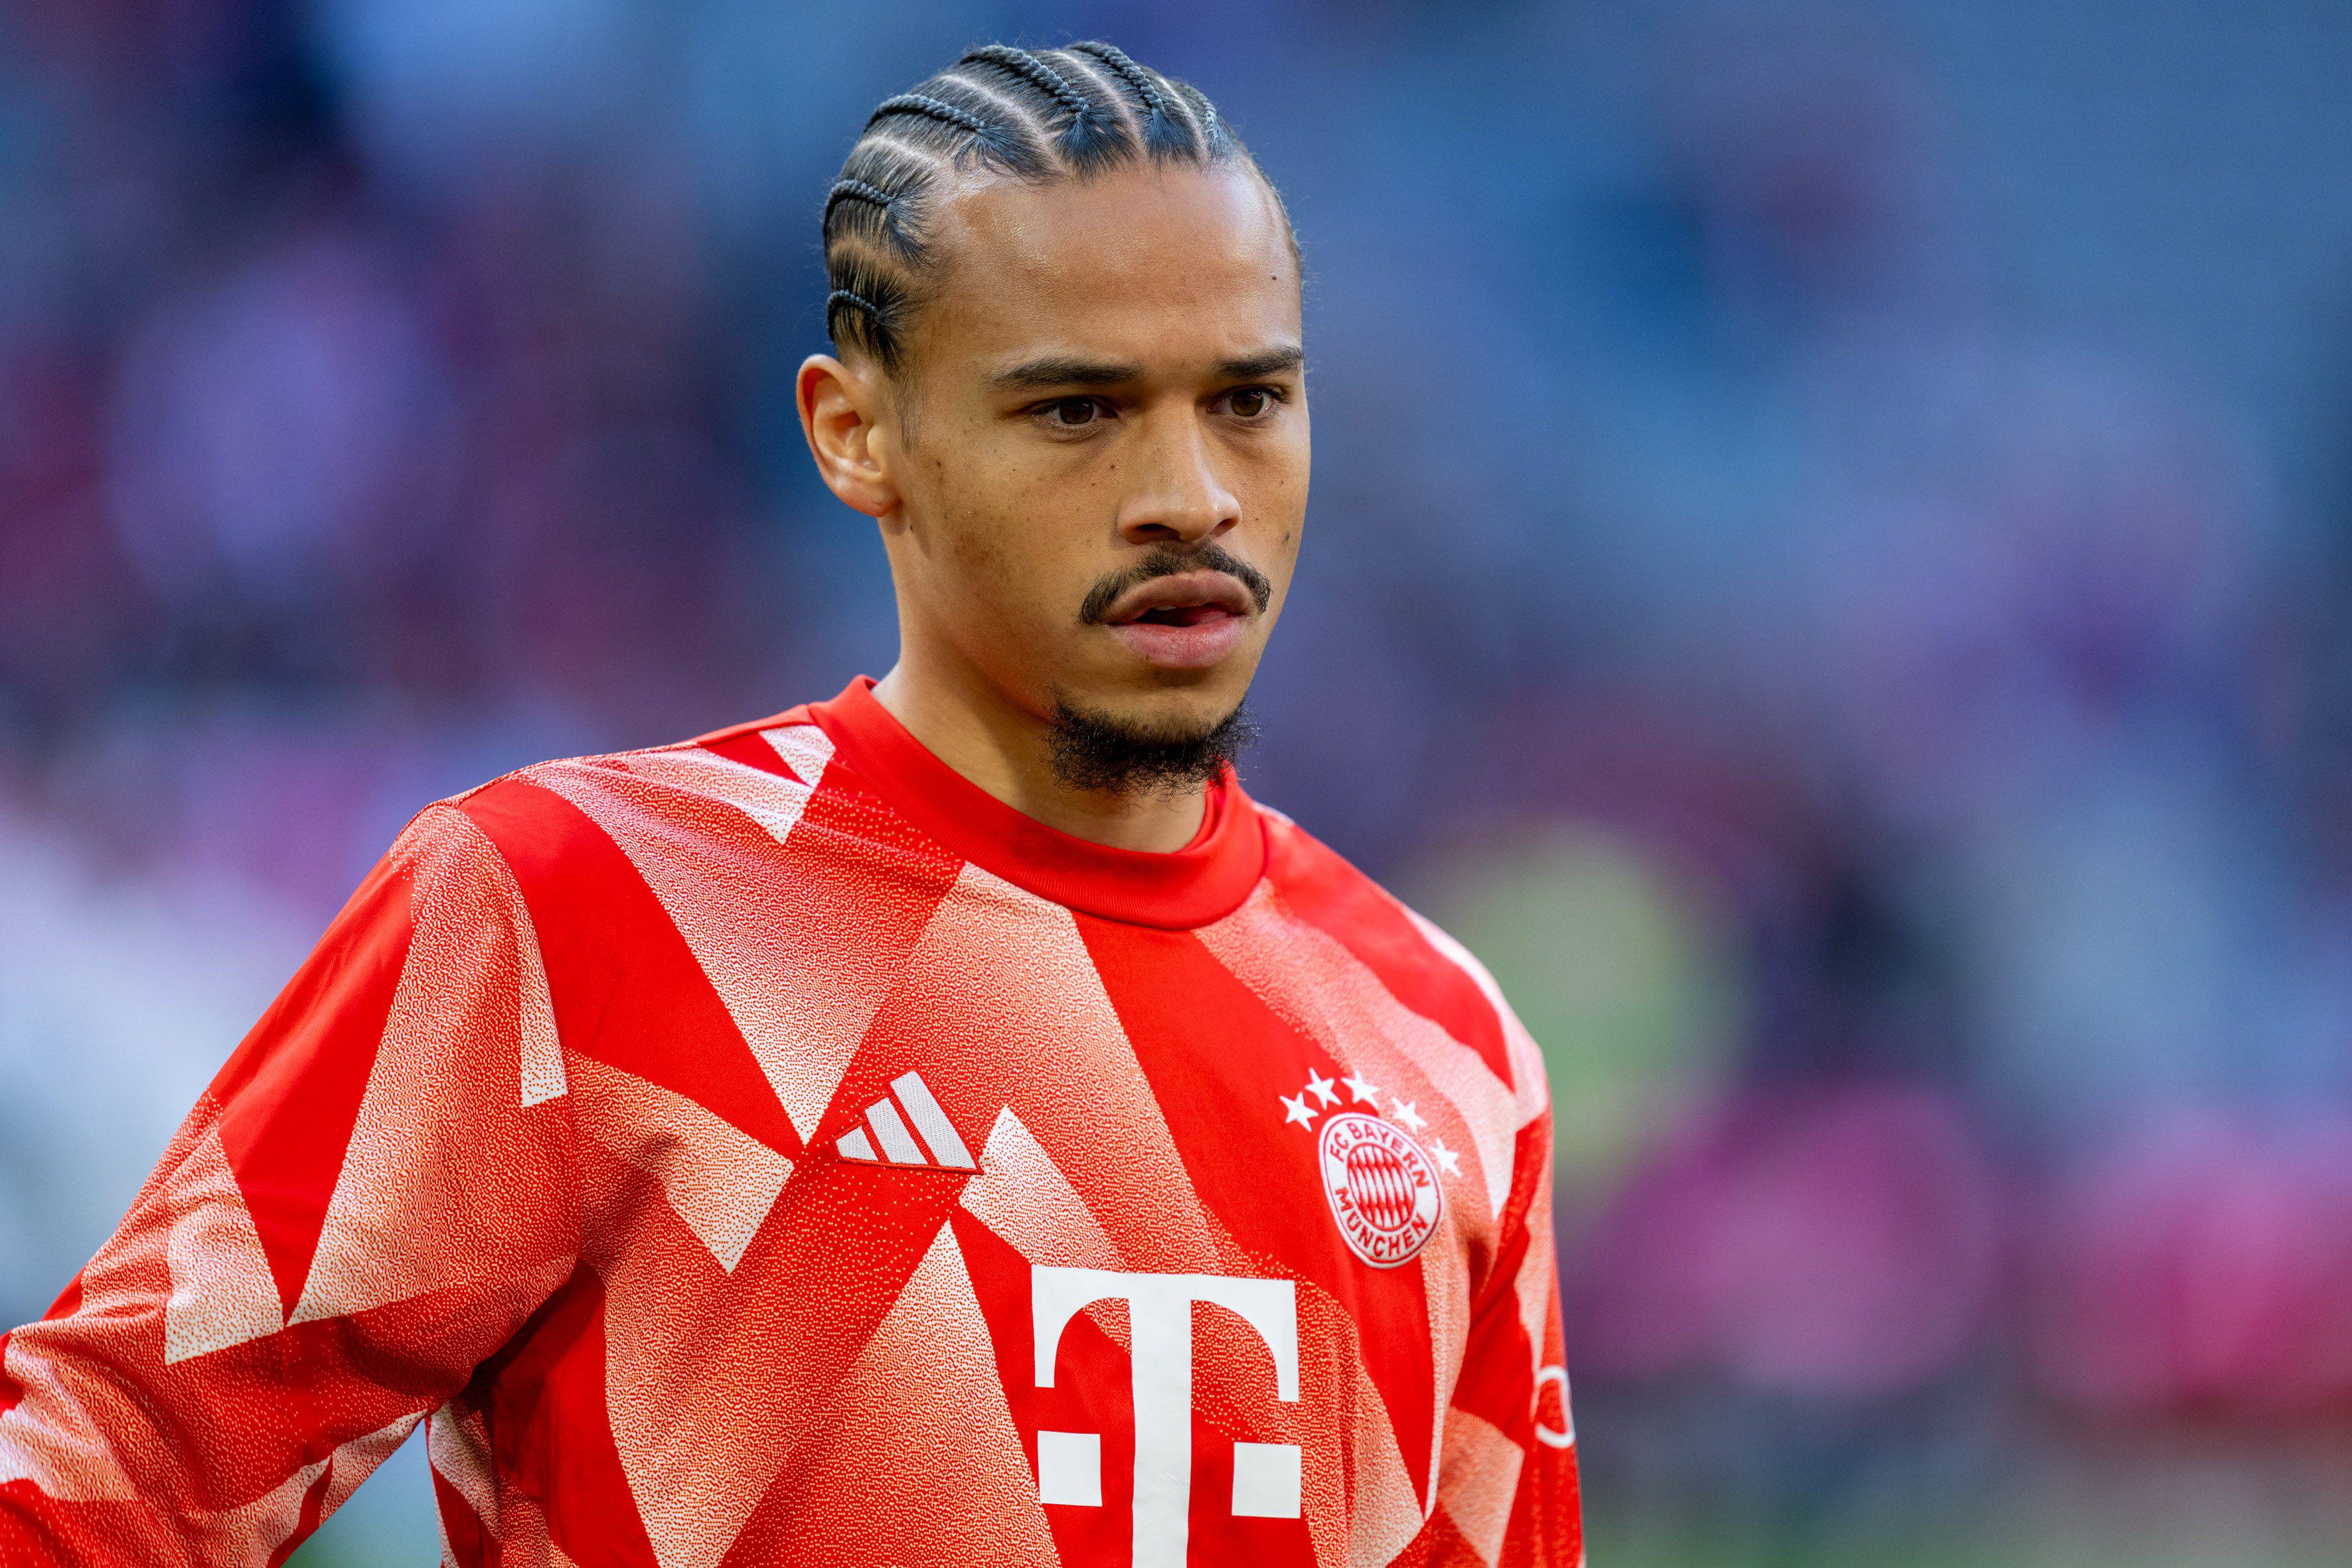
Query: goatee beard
x=1093, y=752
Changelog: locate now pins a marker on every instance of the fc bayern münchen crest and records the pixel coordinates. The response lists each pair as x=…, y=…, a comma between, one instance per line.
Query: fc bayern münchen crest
x=1382, y=1188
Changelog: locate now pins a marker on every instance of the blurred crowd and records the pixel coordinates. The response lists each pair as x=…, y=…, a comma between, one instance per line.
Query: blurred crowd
x=1828, y=570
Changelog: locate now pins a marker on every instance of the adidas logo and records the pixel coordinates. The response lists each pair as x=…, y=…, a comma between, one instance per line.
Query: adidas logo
x=884, y=1126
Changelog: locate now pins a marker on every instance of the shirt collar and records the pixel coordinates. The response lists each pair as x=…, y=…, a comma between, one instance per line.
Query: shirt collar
x=1204, y=881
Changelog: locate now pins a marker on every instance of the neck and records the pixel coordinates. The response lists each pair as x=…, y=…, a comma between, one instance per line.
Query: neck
x=1007, y=751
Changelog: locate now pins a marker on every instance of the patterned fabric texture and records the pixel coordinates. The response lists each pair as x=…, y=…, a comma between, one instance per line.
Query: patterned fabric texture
x=770, y=1149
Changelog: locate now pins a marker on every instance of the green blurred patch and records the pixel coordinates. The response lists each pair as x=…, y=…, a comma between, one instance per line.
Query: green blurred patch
x=1628, y=971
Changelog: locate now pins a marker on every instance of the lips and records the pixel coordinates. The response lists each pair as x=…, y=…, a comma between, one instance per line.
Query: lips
x=1185, y=621
x=1163, y=599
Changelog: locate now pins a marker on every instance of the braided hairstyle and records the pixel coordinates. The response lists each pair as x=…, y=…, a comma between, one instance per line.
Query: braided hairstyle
x=1048, y=115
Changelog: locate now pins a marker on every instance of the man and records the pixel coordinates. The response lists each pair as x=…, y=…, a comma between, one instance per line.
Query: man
x=946, y=1124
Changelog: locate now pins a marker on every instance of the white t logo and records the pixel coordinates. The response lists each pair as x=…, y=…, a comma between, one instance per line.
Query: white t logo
x=1159, y=1343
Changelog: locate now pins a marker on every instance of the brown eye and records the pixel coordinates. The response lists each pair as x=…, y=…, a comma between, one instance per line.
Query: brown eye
x=1072, y=413
x=1252, y=402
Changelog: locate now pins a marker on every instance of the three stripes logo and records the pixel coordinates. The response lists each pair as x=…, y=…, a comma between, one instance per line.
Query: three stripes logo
x=888, y=1133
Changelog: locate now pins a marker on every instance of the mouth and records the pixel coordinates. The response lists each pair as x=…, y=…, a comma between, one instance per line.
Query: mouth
x=1186, y=621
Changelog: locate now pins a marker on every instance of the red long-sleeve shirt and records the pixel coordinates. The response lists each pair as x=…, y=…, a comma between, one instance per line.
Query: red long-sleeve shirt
x=771, y=1149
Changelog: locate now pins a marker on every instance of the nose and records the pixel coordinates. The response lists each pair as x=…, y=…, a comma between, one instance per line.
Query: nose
x=1178, y=498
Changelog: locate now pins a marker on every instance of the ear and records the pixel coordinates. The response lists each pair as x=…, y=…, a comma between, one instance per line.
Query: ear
x=840, y=409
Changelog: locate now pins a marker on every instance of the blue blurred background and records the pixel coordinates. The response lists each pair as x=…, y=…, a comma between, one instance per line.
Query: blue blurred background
x=1830, y=570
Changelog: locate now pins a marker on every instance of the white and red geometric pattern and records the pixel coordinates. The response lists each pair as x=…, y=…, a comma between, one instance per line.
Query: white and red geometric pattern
x=772, y=1150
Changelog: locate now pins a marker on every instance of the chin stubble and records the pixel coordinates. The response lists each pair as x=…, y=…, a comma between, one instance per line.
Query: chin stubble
x=1095, y=751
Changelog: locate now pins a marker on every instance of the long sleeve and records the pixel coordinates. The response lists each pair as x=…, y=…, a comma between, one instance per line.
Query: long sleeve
x=376, y=1191
x=1508, y=1483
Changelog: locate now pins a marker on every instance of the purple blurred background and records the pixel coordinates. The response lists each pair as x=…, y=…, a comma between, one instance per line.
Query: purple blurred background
x=1829, y=570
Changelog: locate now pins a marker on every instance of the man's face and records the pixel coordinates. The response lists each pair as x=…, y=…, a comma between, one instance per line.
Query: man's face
x=1104, y=383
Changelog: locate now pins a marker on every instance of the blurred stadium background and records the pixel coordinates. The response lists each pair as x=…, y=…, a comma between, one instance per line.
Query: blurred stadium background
x=1830, y=570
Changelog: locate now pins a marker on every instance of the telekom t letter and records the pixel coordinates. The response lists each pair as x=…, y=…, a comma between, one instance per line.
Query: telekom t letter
x=1160, y=1332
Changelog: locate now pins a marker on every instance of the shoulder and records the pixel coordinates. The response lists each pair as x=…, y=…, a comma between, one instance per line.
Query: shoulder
x=1420, y=963
x=556, y=822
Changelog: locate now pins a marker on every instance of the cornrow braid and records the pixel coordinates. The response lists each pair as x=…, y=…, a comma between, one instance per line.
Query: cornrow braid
x=1035, y=117
x=937, y=109
x=855, y=191
x=1134, y=75
x=1092, y=139
x=1036, y=72
x=1213, y=130
x=1165, y=135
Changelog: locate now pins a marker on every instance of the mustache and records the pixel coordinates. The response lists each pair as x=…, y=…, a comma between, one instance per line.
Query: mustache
x=1167, y=560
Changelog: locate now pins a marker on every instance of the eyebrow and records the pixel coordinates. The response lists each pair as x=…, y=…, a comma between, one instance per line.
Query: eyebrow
x=1066, y=371
x=1069, y=371
x=1273, y=362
